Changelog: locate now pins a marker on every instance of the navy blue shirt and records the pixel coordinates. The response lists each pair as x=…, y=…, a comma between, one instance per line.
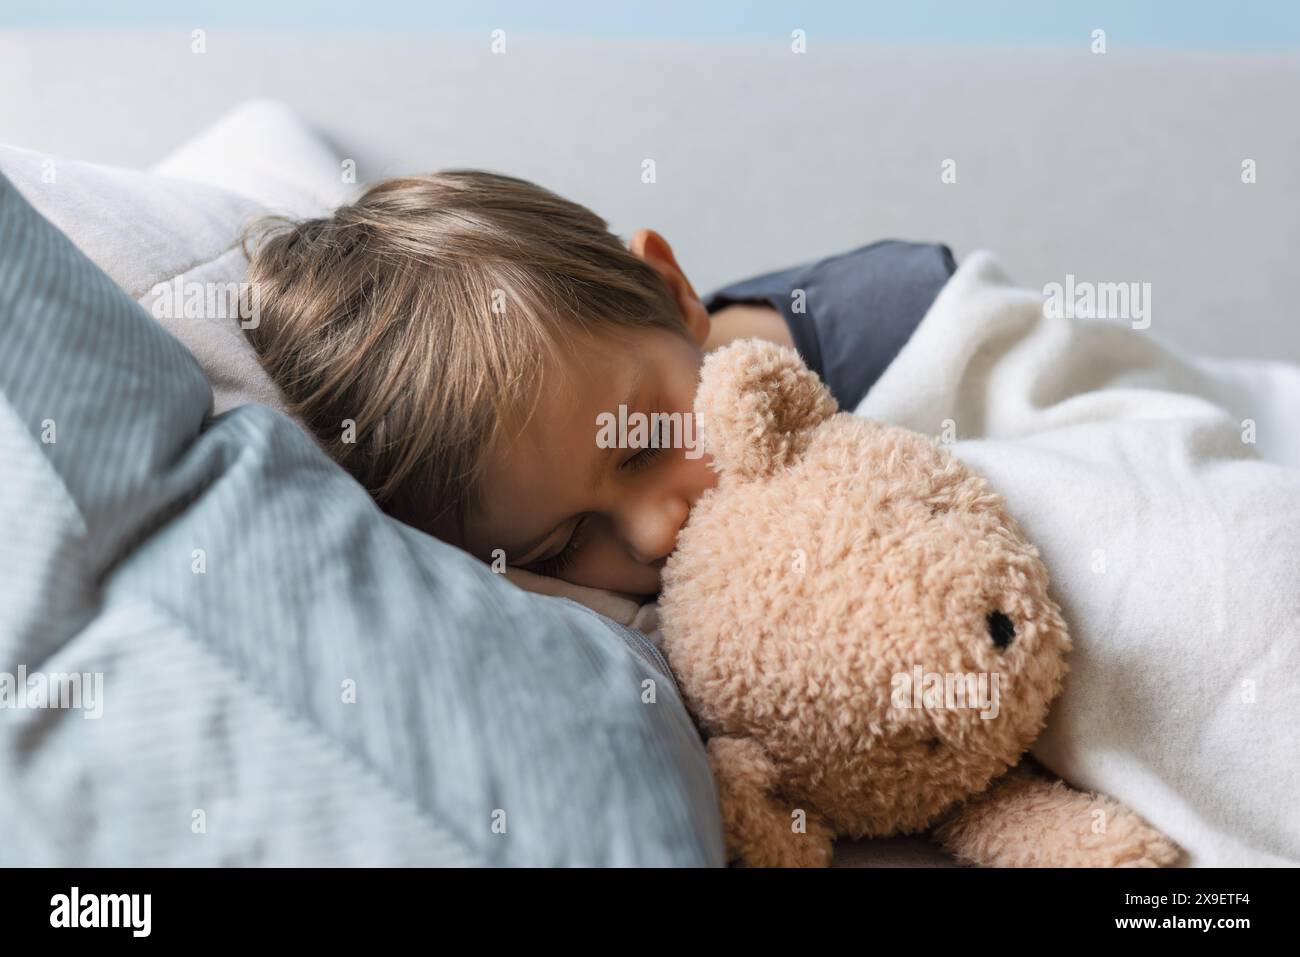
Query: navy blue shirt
x=856, y=310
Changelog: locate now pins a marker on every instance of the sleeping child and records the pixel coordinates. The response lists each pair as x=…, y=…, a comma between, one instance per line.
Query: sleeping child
x=457, y=340
x=453, y=339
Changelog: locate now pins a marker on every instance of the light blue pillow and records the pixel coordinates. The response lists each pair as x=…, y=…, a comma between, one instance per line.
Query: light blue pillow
x=288, y=675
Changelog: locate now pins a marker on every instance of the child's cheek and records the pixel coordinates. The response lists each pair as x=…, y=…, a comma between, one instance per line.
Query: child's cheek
x=699, y=475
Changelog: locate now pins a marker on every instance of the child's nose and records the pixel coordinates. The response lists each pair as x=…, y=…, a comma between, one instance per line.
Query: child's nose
x=652, y=531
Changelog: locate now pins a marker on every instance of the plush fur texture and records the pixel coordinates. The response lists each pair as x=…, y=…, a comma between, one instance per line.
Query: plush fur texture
x=835, y=556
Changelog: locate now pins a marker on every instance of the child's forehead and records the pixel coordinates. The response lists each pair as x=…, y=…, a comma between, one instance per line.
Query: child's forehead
x=580, y=381
x=548, y=462
x=590, y=374
x=564, y=421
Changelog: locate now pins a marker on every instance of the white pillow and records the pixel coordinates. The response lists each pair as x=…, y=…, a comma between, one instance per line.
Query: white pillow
x=182, y=223
x=263, y=150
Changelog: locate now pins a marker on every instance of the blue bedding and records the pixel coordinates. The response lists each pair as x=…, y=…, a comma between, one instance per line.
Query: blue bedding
x=288, y=675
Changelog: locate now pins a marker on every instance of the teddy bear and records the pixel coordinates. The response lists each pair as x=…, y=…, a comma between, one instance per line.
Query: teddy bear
x=866, y=639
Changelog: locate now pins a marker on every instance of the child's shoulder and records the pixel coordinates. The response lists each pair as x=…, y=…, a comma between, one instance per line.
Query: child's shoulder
x=851, y=313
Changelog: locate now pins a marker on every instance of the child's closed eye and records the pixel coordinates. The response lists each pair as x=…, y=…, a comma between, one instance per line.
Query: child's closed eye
x=557, y=563
x=642, y=459
x=660, y=441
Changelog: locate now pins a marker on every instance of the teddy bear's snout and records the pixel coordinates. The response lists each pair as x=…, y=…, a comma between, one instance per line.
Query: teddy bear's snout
x=1001, y=629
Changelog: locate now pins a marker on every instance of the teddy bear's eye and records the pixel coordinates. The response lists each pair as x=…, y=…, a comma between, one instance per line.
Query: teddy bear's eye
x=1001, y=629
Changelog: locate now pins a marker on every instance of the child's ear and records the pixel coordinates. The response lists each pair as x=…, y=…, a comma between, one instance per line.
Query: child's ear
x=758, y=406
x=654, y=249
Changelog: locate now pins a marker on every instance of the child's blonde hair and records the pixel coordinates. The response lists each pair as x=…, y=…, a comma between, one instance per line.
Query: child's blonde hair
x=425, y=312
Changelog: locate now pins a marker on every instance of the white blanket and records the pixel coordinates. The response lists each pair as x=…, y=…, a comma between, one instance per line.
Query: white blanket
x=1172, y=538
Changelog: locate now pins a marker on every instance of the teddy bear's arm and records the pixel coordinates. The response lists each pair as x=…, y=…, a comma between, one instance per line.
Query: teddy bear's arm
x=760, y=830
x=1029, y=820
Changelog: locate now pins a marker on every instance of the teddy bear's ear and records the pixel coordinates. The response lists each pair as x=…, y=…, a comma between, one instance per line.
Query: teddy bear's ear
x=757, y=406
